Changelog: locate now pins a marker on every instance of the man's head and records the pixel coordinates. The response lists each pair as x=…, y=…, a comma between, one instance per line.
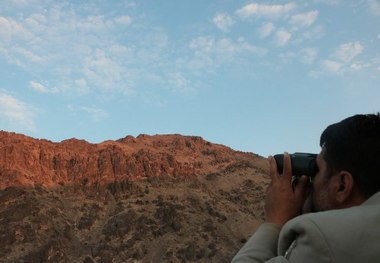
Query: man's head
x=354, y=145
x=349, y=163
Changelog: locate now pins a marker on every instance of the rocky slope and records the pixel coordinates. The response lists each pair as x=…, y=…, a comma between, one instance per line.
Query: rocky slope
x=166, y=198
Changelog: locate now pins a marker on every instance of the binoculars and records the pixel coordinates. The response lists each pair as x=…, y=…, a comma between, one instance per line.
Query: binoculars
x=302, y=164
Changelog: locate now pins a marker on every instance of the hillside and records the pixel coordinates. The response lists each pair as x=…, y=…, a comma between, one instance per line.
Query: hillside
x=163, y=198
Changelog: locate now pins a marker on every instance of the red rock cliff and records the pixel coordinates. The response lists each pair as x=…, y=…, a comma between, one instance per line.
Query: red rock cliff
x=28, y=161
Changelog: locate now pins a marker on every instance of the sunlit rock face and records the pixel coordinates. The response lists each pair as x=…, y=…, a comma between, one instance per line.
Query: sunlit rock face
x=162, y=198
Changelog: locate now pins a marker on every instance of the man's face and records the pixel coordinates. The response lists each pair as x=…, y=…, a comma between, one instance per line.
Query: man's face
x=321, y=196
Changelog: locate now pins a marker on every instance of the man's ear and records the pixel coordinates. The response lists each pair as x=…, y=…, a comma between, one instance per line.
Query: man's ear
x=344, y=188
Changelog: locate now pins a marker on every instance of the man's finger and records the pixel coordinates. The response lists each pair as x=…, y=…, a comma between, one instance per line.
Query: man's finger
x=272, y=168
x=287, y=172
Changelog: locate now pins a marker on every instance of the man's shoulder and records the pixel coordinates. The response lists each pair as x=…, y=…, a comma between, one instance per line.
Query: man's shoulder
x=341, y=226
x=341, y=217
x=337, y=232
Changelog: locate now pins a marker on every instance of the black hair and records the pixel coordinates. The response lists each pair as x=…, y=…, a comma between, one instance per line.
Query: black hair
x=353, y=145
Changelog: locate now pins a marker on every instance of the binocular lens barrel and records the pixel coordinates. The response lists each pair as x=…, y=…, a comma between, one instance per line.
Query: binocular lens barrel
x=302, y=163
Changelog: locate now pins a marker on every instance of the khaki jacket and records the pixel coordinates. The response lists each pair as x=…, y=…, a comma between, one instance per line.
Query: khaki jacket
x=349, y=235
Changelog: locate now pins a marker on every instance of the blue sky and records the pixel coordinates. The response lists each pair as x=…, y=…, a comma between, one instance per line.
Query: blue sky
x=257, y=76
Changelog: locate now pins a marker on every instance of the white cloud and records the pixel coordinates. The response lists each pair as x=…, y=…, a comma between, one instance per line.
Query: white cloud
x=71, y=108
x=25, y=54
x=10, y=28
x=23, y=2
x=118, y=49
x=359, y=66
x=223, y=21
x=374, y=7
x=16, y=112
x=104, y=72
x=203, y=44
x=341, y=61
x=287, y=56
x=304, y=19
x=245, y=46
x=328, y=2
x=331, y=66
x=283, y=37
x=371, y=63
x=224, y=46
x=59, y=43
x=348, y=51
x=123, y=20
x=96, y=113
x=210, y=53
x=265, y=10
x=308, y=55
x=315, y=32
x=41, y=88
x=179, y=83
x=81, y=86
x=266, y=30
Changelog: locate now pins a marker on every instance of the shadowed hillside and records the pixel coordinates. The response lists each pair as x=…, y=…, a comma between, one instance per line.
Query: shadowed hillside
x=164, y=198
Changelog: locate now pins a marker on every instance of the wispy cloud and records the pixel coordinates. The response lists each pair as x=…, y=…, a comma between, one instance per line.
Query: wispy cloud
x=180, y=83
x=207, y=55
x=63, y=45
x=16, y=112
x=246, y=46
x=96, y=113
x=223, y=21
x=266, y=30
x=359, y=65
x=265, y=10
x=283, y=37
x=371, y=63
x=328, y=2
x=298, y=27
x=82, y=49
x=342, y=59
x=41, y=88
x=348, y=51
x=374, y=7
x=123, y=20
x=331, y=66
x=224, y=47
x=308, y=55
x=103, y=71
x=304, y=19
x=10, y=28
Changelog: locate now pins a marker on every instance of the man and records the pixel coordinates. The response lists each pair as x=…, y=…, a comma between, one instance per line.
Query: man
x=340, y=209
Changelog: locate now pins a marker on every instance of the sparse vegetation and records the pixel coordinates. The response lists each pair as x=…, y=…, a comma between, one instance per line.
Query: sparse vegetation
x=144, y=199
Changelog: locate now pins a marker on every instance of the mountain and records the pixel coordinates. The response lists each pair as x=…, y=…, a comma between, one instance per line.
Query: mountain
x=162, y=198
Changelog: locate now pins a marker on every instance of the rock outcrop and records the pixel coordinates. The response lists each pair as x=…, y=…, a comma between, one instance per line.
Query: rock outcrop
x=29, y=162
x=164, y=198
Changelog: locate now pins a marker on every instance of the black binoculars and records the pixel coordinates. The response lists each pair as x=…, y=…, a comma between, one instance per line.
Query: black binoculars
x=302, y=163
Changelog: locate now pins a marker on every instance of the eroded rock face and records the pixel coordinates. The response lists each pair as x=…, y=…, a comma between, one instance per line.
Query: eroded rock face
x=166, y=198
x=29, y=162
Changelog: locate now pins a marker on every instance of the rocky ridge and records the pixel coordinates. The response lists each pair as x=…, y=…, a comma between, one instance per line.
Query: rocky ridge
x=27, y=161
x=164, y=198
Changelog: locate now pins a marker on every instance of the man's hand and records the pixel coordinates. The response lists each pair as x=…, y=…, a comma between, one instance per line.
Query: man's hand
x=283, y=201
